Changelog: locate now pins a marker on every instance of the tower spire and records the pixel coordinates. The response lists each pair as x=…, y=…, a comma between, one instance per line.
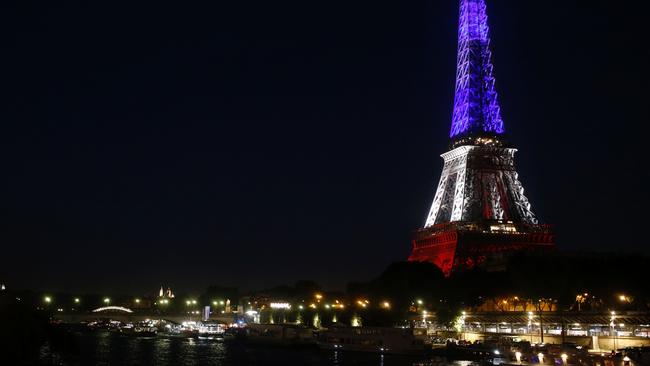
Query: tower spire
x=476, y=106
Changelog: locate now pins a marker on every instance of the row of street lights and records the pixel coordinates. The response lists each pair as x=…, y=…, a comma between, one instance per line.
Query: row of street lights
x=47, y=299
x=106, y=300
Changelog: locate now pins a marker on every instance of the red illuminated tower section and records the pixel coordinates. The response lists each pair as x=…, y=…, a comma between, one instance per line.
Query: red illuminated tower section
x=479, y=214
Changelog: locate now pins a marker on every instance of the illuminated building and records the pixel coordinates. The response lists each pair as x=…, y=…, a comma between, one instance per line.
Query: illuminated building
x=166, y=294
x=479, y=213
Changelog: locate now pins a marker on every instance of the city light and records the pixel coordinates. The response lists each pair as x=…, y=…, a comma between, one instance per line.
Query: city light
x=419, y=302
x=540, y=356
x=385, y=305
x=47, y=299
x=581, y=299
x=300, y=307
x=280, y=305
x=318, y=296
x=625, y=298
x=215, y=303
x=518, y=356
x=564, y=358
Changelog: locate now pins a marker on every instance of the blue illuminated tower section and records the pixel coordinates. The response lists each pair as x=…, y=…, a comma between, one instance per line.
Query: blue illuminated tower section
x=479, y=214
x=476, y=105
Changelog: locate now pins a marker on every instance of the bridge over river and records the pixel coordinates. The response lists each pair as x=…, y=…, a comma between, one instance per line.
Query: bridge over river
x=128, y=316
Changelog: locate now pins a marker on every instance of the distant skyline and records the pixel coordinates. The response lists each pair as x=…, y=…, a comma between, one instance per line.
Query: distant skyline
x=258, y=144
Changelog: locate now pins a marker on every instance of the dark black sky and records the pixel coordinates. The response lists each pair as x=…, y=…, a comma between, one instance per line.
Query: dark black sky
x=255, y=143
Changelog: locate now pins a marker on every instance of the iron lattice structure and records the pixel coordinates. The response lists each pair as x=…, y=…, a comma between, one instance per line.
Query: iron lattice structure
x=479, y=213
x=480, y=183
x=476, y=105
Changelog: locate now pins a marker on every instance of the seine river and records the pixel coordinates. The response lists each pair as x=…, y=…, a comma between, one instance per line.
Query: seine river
x=114, y=349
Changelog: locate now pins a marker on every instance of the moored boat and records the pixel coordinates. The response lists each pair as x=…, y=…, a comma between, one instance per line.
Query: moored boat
x=408, y=341
x=280, y=334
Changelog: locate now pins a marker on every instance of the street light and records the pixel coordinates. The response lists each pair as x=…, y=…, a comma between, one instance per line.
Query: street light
x=77, y=300
x=530, y=325
x=137, y=301
x=463, y=317
x=613, y=326
x=47, y=299
x=107, y=300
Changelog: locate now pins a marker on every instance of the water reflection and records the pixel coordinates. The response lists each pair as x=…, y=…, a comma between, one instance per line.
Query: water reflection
x=104, y=348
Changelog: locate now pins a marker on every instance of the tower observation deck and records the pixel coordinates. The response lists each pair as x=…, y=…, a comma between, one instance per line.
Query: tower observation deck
x=479, y=214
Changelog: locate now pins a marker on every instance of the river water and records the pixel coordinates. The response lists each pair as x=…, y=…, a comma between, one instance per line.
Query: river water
x=103, y=348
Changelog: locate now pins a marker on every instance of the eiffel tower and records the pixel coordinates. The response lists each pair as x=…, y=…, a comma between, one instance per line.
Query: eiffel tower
x=480, y=214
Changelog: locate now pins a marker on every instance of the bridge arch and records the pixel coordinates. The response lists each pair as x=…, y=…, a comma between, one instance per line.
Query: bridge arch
x=112, y=308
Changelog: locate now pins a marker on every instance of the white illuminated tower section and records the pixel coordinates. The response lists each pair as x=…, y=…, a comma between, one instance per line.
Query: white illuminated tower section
x=479, y=213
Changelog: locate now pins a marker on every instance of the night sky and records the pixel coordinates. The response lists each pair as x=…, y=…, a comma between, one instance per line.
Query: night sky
x=256, y=143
